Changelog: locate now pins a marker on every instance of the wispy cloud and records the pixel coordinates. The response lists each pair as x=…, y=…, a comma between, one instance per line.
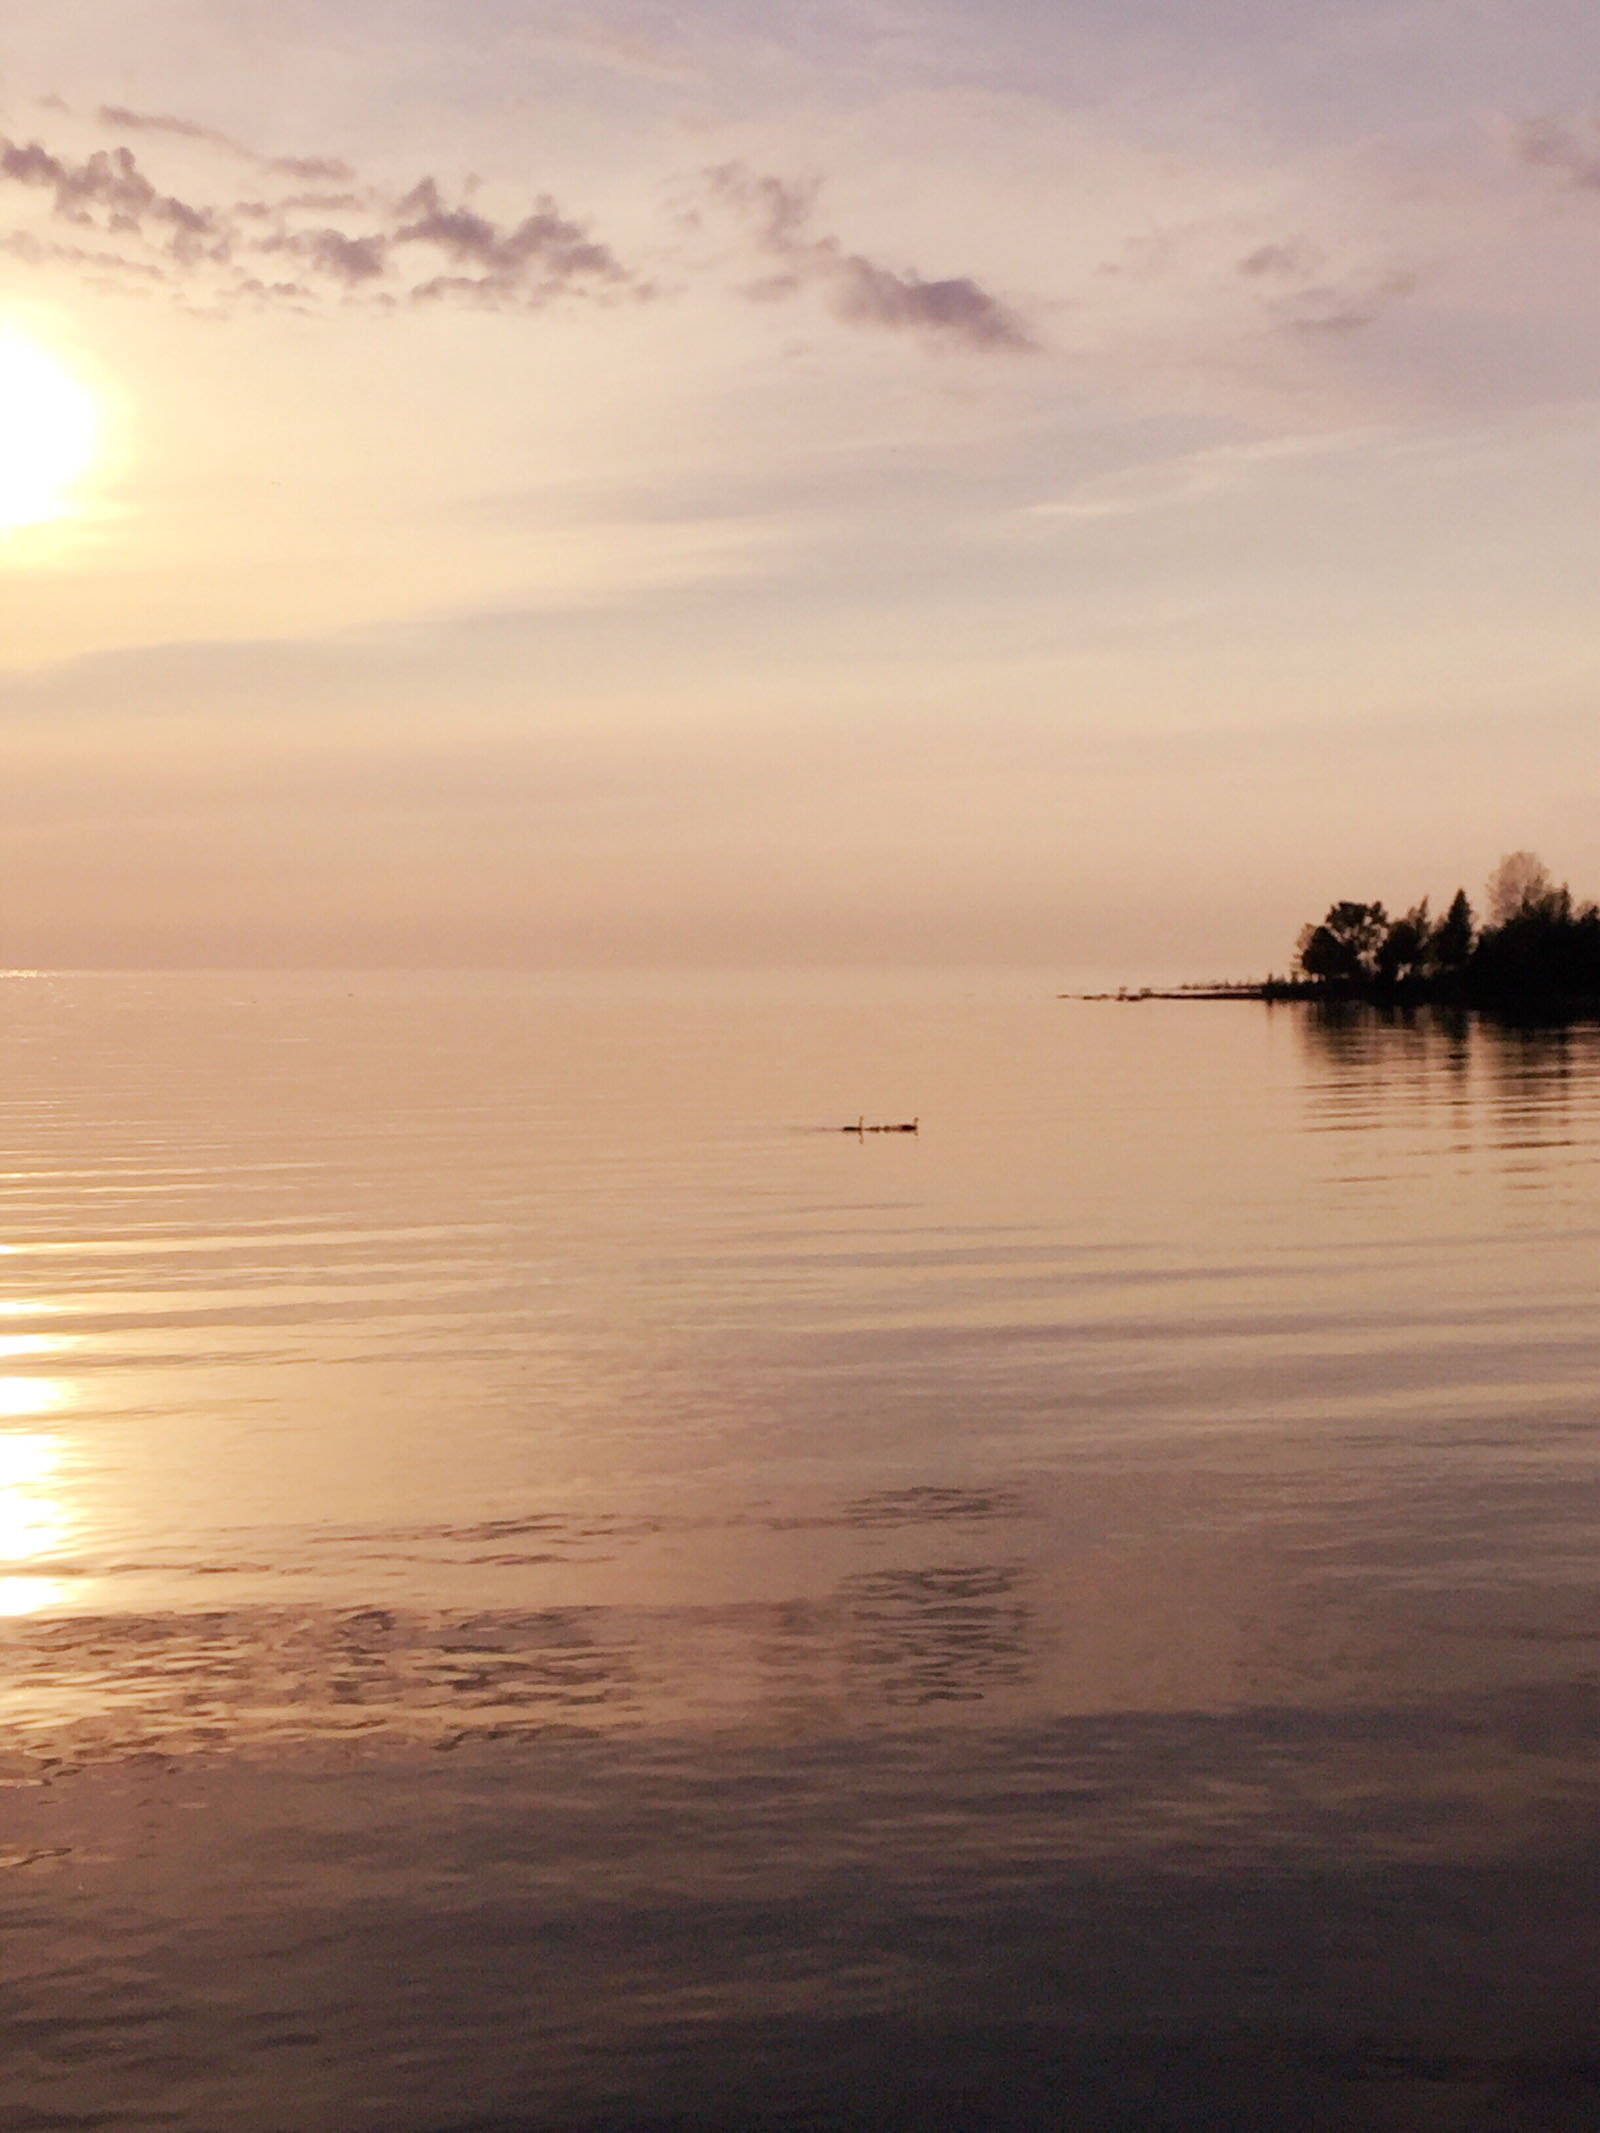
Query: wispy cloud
x=312, y=231
x=598, y=44
x=309, y=169
x=1570, y=149
x=384, y=248
x=1193, y=477
x=956, y=310
x=175, y=202
x=1285, y=283
x=1347, y=304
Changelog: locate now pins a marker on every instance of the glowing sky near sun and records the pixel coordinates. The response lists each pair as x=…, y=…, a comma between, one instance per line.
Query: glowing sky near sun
x=1083, y=484
x=47, y=428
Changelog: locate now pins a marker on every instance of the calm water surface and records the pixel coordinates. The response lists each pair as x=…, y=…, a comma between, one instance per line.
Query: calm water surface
x=544, y=1585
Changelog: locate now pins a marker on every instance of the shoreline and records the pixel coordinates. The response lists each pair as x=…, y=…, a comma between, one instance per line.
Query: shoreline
x=1552, y=1008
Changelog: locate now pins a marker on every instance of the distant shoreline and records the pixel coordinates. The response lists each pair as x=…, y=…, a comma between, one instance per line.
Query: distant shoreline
x=1521, y=1007
x=1245, y=989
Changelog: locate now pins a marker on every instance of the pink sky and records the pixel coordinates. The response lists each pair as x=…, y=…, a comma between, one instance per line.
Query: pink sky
x=1066, y=485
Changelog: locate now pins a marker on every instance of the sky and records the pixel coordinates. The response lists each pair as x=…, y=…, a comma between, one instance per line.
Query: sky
x=1080, y=485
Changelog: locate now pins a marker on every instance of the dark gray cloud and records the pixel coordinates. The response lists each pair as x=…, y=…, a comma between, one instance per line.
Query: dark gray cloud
x=1572, y=151
x=359, y=243
x=956, y=311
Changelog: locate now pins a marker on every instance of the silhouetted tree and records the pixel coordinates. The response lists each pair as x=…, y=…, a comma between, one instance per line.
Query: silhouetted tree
x=1404, y=952
x=1541, y=949
x=1540, y=955
x=1520, y=884
x=1343, y=950
x=1453, y=937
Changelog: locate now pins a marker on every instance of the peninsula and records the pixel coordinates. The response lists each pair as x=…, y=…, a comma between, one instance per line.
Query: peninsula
x=1537, y=953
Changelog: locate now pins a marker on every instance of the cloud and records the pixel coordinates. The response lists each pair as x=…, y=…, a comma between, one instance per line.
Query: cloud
x=310, y=170
x=1280, y=261
x=958, y=308
x=351, y=260
x=1572, y=151
x=1194, y=477
x=122, y=120
x=595, y=44
x=417, y=245
x=956, y=311
x=545, y=246
x=322, y=235
x=108, y=186
x=1347, y=306
x=35, y=251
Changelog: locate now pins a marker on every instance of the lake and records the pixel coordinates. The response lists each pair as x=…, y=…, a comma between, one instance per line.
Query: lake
x=543, y=1585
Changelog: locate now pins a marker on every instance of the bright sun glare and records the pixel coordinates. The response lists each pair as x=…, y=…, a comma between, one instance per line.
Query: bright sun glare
x=47, y=432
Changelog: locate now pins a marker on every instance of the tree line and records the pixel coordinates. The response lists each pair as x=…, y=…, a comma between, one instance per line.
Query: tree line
x=1537, y=949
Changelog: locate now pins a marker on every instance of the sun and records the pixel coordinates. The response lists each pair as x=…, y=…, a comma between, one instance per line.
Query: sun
x=47, y=434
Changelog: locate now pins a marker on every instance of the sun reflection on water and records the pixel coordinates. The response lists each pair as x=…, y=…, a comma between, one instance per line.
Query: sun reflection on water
x=21, y=1396
x=33, y=1521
